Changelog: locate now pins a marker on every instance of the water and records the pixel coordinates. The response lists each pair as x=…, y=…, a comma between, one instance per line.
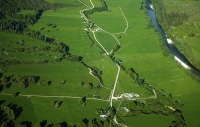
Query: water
x=169, y=43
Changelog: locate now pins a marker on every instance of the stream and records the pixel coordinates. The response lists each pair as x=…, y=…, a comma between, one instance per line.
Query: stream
x=169, y=43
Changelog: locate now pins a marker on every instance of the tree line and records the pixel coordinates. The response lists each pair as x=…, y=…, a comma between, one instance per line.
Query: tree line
x=12, y=21
x=9, y=113
x=21, y=80
x=96, y=9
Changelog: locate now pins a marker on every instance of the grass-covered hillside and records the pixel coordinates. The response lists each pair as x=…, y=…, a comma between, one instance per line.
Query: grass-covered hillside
x=89, y=63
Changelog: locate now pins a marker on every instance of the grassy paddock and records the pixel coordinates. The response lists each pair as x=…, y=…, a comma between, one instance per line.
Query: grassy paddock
x=149, y=120
x=139, y=50
x=107, y=41
x=112, y=21
x=36, y=110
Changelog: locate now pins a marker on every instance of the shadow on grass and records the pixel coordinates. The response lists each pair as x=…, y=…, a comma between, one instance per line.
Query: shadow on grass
x=17, y=110
x=63, y=124
x=43, y=123
x=2, y=101
x=27, y=123
x=1, y=88
x=86, y=121
x=8, y=85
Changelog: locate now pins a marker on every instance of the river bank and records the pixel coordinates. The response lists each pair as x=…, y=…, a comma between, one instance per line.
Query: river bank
x=169, y=43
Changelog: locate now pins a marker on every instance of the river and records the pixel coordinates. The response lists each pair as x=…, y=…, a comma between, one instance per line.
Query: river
x=169, y=43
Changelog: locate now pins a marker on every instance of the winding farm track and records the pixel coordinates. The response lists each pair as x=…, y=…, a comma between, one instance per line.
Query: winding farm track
x=127, y=25
x=90, y=72
x=196, y=25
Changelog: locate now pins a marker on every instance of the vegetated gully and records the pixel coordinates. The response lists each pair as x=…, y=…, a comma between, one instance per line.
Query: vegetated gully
x=173, y=50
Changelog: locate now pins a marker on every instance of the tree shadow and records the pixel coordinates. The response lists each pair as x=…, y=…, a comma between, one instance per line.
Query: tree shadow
x=17, y=93
x=43, y=123
x=37, y=78
x=1, y=74
x=8, y=85
x=86, y=121
x=2, y=101
x=80, y=58
x=50, y=125
x=84, y=99
x=60, y=103
x=64, y=82
x=27, y=123
x=1, y=88
x=49, y=82
x=63, y=124
x=17, y=110
x=9, y=77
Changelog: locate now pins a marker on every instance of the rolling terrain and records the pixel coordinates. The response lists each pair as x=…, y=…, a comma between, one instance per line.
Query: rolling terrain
x=90, y=63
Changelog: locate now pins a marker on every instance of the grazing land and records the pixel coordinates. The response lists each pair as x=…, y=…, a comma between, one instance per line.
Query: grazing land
x=91, y=63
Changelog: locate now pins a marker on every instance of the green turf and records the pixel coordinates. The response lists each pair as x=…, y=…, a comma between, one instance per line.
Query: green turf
x=109, y=20
x=149, y=120
x=139, y=50
x=107, y=40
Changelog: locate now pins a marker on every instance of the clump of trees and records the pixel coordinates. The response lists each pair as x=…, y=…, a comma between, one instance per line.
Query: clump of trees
x=180, y=121
x=82, y=101
x=57, y=104
x=96, y=9
x=117, y=47
x=143, y=5
x=8, y=115
x=175, y=18
x=131, y=72
x=12, y=21
x=25, y=81
x=88, y=85
x=22, y=81
x=93, y=123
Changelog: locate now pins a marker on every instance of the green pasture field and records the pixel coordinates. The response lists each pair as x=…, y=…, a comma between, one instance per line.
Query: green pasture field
x=149, y=120
x=87, y=2
x=96, y=3
x=73, y=72
x=107, y=40
x=112, y=21
x=56, y=68
x=139, y=50
x=28, y=41
x=10, y=42
x=70, y=31
x=37, y=109
x=129, y=86
x=109, y=72
x=142, y=52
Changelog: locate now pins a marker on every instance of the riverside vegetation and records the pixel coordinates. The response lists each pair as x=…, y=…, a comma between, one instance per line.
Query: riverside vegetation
x=181, y=25
x=68, y=63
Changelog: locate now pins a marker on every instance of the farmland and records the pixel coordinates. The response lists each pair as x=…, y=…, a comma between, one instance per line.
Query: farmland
x=71, y=67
